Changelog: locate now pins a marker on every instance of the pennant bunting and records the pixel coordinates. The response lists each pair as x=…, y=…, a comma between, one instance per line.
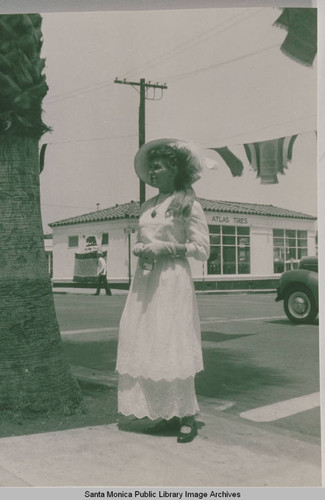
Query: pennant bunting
x=286, y=144
x=268, y=158
x=236, y=166
x=252, y=155
x=300, y=43
x=248, y=153
x=290, y=147
x=269, y=161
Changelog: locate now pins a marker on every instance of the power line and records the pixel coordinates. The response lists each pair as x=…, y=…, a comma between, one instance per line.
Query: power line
x=77, y=92
x=170, y=78
x=69, y=93
x=263, y=128
x=152, y=62
x=217, y=65
x=83, y=90
x=184, y=46
x=203, y=144
x=94, y=139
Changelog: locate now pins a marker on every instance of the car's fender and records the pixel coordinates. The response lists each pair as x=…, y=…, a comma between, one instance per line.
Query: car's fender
x=296, y=277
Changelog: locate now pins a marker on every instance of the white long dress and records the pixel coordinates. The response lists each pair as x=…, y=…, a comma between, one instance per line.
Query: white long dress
x=159, y=348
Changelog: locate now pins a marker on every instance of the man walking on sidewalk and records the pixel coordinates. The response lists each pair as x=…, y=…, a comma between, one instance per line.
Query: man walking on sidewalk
x=101, y=275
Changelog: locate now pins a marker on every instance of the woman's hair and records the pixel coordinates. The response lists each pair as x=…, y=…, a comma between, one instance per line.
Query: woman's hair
x=188, y=169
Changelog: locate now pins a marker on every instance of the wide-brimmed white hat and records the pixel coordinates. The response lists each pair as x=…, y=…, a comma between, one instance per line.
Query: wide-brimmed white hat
x=141, y=160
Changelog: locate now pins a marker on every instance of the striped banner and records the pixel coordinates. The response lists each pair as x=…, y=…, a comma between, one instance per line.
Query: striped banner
x=85, y=265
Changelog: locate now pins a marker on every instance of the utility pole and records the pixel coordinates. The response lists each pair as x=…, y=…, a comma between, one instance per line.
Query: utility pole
x=144, y=86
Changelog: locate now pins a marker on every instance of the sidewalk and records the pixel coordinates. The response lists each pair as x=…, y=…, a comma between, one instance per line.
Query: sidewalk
x=228, y=452
x=118, y=291
x=85, y=291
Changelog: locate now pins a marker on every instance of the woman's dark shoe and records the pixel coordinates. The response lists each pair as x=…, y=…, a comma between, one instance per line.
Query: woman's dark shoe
x=166, y=427
x=187, y=437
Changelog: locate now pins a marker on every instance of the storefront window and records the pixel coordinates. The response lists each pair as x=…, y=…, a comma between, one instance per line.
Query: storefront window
x=230, y=250
x=289, y=246
x=229, y=260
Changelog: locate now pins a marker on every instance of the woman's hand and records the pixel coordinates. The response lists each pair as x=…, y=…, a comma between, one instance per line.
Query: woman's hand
x=149, y=250
x=138, y=249
x=152, y=250
x=157, y=248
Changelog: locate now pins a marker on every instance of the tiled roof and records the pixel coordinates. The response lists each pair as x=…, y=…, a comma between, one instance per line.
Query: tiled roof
x=124, y=211
x=131, y=211
x=251, y=209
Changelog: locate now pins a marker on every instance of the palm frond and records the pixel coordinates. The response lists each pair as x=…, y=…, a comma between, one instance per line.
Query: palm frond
x=22, y=82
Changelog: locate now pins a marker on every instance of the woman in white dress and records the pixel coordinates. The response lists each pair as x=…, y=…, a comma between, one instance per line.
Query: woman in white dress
x=159, y=348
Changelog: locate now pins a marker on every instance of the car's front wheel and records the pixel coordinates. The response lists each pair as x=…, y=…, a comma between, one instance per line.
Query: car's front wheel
x=300, y=305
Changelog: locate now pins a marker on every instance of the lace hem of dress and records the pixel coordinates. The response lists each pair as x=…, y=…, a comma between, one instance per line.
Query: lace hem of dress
x=165, y=416
x=162, y=399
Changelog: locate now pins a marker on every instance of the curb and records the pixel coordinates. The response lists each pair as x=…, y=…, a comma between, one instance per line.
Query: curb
x=226, y=292
x=197, y=292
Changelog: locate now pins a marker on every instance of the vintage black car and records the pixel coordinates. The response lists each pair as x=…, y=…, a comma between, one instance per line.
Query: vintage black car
x=299, y=291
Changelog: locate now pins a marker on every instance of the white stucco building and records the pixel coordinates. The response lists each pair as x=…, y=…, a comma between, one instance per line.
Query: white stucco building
x=251, y=244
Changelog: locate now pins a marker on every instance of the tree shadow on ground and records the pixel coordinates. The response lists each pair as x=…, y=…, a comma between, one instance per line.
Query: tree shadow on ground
x=230, y=373
x=227, y=374
x=97, y=355
x=99, y=404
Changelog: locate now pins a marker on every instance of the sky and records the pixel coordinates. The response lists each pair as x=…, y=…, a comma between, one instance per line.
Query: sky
x=228, y=83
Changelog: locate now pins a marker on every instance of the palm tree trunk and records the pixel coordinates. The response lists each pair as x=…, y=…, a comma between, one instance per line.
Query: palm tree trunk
x=34, y=375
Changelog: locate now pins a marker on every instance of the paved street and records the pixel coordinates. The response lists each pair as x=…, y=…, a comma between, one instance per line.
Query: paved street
x=259, y=367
